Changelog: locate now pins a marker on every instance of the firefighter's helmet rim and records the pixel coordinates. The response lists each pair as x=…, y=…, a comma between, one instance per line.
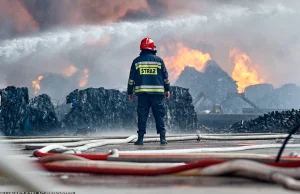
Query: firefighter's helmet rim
x=147, y=44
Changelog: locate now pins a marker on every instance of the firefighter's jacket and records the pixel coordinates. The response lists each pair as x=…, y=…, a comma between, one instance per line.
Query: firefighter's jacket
x=148, y=74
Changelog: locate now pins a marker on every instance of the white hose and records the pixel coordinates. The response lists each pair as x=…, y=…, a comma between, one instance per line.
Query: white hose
x=90, y=145
x=99, y=142
x=282, y=176
x=97, y=136
x=70, y=144
x=248, y=137
x=247, y=165
x=41, y=140
x=147, y=140
x=201, y=150
x=106, y=142
x=52, y=147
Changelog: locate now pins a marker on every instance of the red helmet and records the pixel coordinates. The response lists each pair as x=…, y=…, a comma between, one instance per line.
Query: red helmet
x=147, y=43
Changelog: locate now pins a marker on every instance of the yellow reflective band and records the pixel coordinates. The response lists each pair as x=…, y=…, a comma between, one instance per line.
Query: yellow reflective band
x=167, y=82
x=130, y=83
x=148, y=66
x=148, y=90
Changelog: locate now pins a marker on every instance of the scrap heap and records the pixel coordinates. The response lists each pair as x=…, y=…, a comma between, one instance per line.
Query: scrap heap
x=99, y=108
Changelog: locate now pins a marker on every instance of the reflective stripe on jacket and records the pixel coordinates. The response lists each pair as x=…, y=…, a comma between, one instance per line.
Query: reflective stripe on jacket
x=148, y=74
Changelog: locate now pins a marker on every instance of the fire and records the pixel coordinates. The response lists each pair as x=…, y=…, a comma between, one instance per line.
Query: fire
x=244, y=71
x=84, y=78
x=70, y=71
x=36, y=84
x=185, y=57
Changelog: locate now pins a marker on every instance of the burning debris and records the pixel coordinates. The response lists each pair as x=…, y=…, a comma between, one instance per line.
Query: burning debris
x=36, y=84
x=273, y=122
x=244, y=70
x=214, y=83
x=84, y=78
x=101, y=109
x=56, y=85
x=184, y=56
x=214, y=87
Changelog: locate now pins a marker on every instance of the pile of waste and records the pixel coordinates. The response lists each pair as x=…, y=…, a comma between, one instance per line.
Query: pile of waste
x=214, y=84
x=98, y=108
x=42, y=114
x=19, y=116
x=14, y=110
x=89, y=110
x=273, y=122
x=285, y=97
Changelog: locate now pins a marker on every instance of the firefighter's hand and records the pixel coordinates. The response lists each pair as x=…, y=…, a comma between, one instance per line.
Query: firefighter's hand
x=167, y=95
x=131, y=97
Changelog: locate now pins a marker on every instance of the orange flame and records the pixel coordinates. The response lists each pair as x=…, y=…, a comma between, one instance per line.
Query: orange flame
x=84, y=78
x=70, y=71
x=185, y=57
x=36, y=84
x=244, y=71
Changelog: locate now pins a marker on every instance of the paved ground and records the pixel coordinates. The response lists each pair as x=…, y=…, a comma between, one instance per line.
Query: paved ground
x=162, y=184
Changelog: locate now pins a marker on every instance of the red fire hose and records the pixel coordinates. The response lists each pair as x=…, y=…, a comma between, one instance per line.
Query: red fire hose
x=84, y=168
x=38, y=153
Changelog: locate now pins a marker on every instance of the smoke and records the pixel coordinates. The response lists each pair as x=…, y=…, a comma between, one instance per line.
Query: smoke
x=47, y=36
x=15, y=19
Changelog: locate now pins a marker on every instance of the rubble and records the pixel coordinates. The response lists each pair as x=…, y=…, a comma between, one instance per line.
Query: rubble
x=256, y=92
x=213, y=82
x=273, y=122
x=180, y=112
x=14, y=110
x=101, y=109
x=21, y=117
x=42, y=114
x=214, y=86
x=285, y=97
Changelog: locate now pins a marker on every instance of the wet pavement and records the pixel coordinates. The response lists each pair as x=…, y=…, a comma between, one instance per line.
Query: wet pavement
x=162, y=184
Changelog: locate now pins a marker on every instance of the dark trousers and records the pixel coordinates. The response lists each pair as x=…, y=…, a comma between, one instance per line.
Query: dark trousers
x=156, y=102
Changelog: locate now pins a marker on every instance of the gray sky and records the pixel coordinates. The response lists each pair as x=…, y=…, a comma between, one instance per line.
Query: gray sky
x=49, y=42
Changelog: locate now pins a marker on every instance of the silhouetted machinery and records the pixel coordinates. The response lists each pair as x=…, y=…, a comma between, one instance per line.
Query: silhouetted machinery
x=217, y=108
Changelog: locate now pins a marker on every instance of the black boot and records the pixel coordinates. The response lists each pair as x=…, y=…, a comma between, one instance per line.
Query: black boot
x=140, y=140
x=163, y=140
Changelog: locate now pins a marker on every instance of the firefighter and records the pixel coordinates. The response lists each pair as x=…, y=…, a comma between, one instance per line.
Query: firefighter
x=148, y=80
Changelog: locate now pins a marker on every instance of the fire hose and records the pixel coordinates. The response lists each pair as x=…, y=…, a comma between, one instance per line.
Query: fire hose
x=44, y=151
x=179, y=155
x=85, y=145
x=83, y=165
x=279, y=173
